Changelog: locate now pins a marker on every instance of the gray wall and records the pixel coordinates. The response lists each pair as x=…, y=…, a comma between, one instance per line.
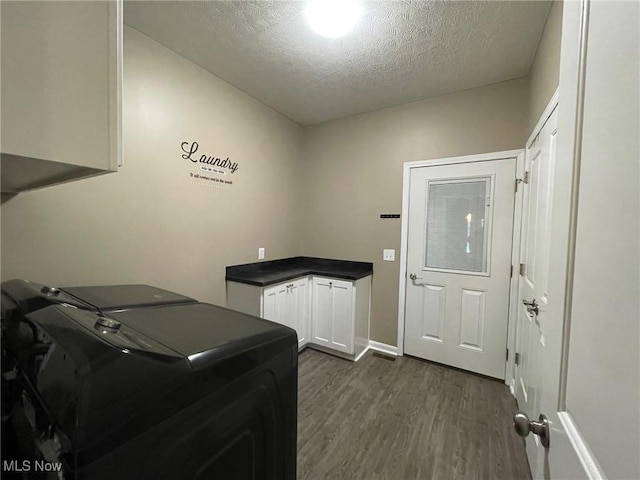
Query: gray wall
x=316, y=191
x=603, y=378
x=148, y=223
x=352, y=168
x=352, y=172
x=544, y=73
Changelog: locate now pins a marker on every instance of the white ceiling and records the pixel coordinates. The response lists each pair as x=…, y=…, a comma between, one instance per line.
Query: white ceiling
x=400, y=52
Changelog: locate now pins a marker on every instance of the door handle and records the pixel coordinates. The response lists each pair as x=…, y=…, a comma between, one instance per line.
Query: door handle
x=523, y=426
x=532, y=306
x=413, y=276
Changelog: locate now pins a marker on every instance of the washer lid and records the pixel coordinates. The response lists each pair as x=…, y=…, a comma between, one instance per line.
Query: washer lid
x=205, y=333
x=121, y=297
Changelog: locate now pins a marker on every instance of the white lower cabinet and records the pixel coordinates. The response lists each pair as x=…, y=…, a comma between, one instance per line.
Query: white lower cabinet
x=327, y=313
x=332, y=314
x=340, y=315
x=288, y=303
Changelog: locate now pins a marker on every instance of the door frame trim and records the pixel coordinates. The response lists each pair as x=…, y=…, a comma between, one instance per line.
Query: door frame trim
x=406, y=176
x=544, y=116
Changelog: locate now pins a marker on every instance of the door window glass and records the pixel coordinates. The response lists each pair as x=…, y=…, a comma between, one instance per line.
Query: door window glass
x=457, y=215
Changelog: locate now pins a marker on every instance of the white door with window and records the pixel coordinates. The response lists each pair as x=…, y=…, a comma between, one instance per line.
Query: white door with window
x=460, y=227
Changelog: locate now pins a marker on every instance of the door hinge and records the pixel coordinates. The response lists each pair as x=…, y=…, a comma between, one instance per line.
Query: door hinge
x=522, y=180
x=521, y=271
x=517, y=359
x=534, y=142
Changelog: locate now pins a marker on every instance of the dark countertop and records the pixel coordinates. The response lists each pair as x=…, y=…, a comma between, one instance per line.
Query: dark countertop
x=276, y=271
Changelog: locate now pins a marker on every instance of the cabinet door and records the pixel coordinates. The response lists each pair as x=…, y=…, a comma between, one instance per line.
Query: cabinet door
x=332, y=314
x=287, y=306
x=300, y=300
x=278, y=305
x=270, y=304
x=342, y=316
x=60, y=91
x=321, y=312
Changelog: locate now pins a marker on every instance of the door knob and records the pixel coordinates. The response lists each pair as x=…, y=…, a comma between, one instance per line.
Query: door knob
x=532, y=306
x=523, y=426
x=413, y=276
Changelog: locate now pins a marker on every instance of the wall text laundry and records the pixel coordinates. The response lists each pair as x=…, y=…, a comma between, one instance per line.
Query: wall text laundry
x=190, y=149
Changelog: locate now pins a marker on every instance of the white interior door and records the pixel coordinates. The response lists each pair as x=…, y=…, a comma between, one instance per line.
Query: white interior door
x=459, y=262
x=585, y=367
x=533, y=298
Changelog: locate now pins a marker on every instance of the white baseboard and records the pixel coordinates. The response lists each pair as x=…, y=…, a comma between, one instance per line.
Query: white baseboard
x=361, y=354
x=591, y=466
x=383, y=348
x=373, y=345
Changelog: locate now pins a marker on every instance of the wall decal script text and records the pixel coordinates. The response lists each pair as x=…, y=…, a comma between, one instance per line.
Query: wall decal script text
x=190, y=149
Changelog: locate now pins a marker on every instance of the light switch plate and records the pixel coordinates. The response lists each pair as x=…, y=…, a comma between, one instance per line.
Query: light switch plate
x=261, y=253
x=389, y=255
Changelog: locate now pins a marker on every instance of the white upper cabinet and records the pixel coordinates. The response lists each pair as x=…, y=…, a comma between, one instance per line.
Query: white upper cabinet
x=61, y=91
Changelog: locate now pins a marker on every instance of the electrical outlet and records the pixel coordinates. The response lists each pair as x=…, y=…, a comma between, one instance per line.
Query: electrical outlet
x=389, y=255
x=261, y=253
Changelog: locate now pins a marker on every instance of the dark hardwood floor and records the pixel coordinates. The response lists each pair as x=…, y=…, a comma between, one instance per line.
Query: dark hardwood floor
x=403, y=420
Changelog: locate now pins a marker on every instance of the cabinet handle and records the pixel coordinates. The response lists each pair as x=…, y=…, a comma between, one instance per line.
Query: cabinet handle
x=330, y=284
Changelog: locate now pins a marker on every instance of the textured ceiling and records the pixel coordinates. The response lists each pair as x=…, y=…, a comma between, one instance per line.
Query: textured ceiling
x=401, y=51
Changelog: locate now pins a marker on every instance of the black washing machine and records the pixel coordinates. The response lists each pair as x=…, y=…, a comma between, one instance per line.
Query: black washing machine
x=134, y=382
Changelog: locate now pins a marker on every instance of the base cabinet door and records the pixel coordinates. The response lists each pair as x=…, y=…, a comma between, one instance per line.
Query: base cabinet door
x=321, y=312
x=299, y=294
x=270, y=304
x=332, y=314
x=287, y=304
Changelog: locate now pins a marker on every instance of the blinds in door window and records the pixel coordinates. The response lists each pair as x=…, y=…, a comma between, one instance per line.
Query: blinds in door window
x=457, y=214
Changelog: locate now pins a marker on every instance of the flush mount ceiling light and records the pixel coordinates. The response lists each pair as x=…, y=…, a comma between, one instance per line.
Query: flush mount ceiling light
x=333, y=18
